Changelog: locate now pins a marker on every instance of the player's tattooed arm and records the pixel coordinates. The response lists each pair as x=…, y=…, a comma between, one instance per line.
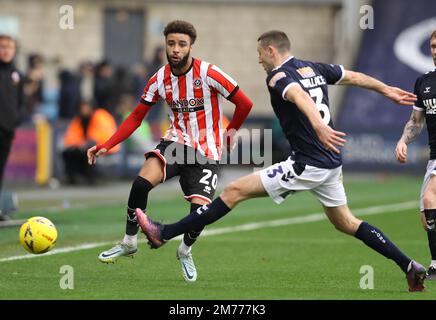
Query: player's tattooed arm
x=365, y=81
x=412, y=129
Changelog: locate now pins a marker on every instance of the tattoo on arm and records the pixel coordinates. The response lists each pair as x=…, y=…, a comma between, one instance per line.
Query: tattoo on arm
x=413, y=127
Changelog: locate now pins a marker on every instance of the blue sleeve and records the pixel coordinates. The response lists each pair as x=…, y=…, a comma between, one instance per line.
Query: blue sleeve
x=333, y=73
x=280, y=81
x=418, y=104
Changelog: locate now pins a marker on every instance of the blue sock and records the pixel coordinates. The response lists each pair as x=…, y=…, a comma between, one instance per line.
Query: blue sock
x=376, y=240
x=190, y=237
x=197, y=219
x=430, y=217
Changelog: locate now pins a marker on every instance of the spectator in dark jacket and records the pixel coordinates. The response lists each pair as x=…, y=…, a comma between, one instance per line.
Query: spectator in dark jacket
x=11, y=89
x=104, y=87
x=33, y=86
x=69, y=95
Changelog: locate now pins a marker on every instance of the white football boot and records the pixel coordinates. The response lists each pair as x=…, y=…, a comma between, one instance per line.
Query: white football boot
x=120, y=250
x=187, y=264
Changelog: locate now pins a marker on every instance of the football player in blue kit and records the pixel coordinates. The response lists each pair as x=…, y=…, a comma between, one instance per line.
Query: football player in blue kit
x=299, y=97
x=424, y=110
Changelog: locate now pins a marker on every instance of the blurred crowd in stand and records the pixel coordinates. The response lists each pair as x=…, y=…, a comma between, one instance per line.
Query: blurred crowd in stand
x=85, y=106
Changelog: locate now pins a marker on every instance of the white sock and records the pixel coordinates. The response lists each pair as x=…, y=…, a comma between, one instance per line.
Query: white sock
x=433, y=263
x=131, y=241
x=184, y=248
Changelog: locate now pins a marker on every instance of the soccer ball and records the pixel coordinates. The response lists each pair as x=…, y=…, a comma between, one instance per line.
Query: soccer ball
x=38, y=235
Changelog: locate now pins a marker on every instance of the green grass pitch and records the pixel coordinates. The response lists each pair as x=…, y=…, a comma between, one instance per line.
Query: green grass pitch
x=306, y=260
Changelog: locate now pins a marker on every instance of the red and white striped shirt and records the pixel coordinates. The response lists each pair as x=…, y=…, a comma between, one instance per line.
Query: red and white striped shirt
x=195, y=104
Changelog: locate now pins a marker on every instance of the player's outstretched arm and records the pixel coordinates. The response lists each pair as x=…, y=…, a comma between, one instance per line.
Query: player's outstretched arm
x=243, y=106
x=127, y=127
x=412, y=129
x=329, y=137
x=362, y=80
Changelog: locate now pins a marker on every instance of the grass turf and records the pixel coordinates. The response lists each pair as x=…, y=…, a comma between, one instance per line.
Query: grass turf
x=300, y=261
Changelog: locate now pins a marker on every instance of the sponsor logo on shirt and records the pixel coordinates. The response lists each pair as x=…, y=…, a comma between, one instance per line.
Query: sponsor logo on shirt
x=188, y=105
x=430, y=105
x=306, y=72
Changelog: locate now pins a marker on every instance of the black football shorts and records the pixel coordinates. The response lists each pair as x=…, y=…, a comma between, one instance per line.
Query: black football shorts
x=198, y=175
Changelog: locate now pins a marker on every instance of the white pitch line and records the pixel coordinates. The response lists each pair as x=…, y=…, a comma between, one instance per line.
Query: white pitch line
x=311, y=218
x=60, y=250
x=243, y=227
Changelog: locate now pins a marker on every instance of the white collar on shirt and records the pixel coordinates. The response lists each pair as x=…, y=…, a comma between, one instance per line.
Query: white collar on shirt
x=289, y=58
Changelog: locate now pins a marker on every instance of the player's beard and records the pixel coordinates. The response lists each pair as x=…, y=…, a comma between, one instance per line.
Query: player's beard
x=179, y=65
x=269, y=68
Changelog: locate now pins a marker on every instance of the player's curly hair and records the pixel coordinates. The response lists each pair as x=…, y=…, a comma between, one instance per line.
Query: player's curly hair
x=275, y=38
x=179, y=26
x=433, y=35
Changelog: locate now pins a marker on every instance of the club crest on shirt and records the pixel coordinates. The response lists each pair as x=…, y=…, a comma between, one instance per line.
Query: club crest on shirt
x=306, y=72
x=275, y=78
x=15, y=77
x=197, y=83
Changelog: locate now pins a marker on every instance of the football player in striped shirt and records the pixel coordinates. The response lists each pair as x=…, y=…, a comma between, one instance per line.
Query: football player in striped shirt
x=299, y=97
x=193, y=144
